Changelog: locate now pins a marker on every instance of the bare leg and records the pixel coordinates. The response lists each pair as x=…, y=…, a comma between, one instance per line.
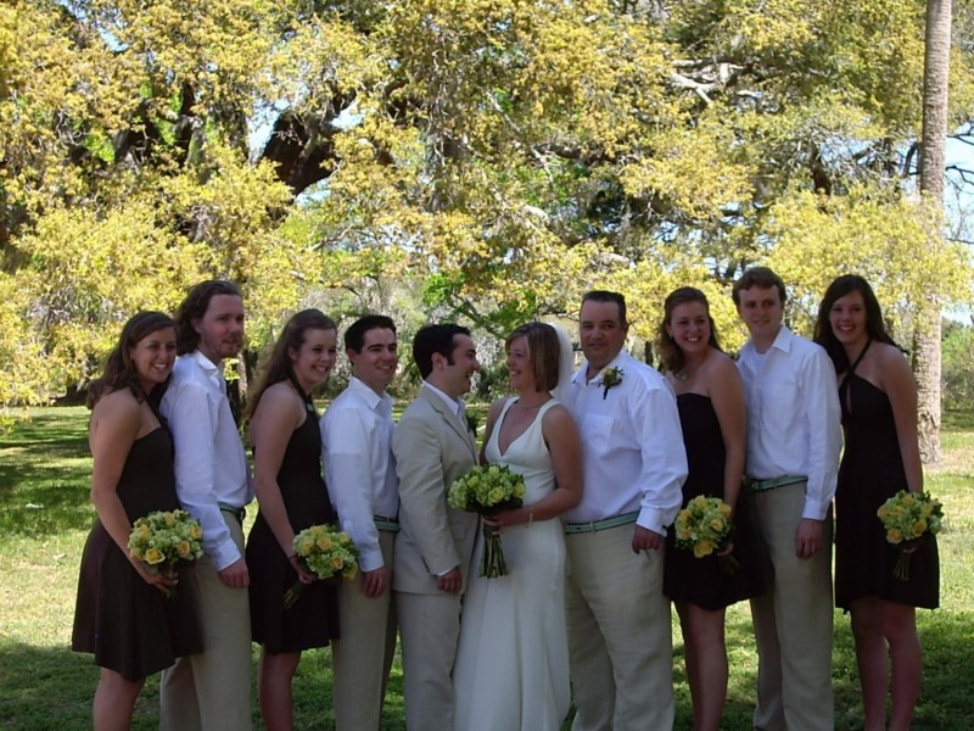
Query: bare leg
x=899, y=626
x=703, y=637
x=114, y=701
x=276, y=672
x=871, y=657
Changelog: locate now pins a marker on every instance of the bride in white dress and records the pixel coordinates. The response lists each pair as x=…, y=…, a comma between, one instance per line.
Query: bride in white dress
x=512, y=662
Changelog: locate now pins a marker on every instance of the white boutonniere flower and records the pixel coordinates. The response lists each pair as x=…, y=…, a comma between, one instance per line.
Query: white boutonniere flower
x=610, y=377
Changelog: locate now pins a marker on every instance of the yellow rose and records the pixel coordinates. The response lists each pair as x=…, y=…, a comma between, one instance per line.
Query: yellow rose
x=324, y=543
x=909, y=500
x=337, y=563
x=182, y=549
x=144, y=533
x=704, y=548
x=344, y=539
x=154, y=556
x=725, y=510
x=919, y=528
x=894, y=535
x=717, y=524
x=169, y=519
x=882, y=512
x=195, y=532
x=304, y=546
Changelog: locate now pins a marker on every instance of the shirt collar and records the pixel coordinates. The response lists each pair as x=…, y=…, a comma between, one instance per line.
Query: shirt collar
x=455, y=405
x=579, y=377
x=367, y=394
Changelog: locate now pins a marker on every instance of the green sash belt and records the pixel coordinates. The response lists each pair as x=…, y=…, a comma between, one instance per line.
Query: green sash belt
x=595, y=526
x=391, y=525
x=752, y=485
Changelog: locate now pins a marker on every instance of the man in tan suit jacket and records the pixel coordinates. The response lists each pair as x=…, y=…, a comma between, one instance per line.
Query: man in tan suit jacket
x=433, y=446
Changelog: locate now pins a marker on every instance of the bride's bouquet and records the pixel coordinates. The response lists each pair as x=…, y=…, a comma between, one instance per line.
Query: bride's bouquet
x=704, y=526
x=325, y=552
x=487, y=490
x=909, y=517
x=164, y=539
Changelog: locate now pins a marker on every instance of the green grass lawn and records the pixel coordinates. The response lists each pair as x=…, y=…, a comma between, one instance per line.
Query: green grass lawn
x=45, y=515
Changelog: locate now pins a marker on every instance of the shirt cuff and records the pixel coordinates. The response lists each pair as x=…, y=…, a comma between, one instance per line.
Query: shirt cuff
x=370, y=560
x=225, y=554
x=815, y=509
x=651, y=519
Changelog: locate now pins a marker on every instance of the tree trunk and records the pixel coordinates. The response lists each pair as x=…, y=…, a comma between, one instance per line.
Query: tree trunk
x=927, y=337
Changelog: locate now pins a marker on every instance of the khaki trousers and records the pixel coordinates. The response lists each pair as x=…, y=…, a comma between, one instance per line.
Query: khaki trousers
x=619, y=637
x=793, y=620
x=362, y=657
x=429, y=628
x=211, y=691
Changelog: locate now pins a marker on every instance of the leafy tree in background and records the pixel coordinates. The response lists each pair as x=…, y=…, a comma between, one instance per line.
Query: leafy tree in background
x=488, y=159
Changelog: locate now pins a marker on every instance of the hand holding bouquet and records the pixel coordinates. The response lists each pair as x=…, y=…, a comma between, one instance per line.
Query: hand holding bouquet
x=704, y=526
x=164, y=539
x=325, y=552
x=907, y=518
x=487, y=490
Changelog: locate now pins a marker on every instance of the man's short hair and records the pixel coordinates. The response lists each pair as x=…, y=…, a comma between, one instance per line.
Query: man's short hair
x=435, y=339
x=605, y=295
x=355, y=335
x=760, y=277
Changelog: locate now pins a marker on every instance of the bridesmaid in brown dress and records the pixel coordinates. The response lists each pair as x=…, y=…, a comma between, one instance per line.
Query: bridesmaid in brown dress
x=292, y=496
x=710, y=398
x=123, y=614
x=879, y=413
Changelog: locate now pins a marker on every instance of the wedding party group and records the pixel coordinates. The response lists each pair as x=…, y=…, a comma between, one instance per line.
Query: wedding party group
x=610, y=458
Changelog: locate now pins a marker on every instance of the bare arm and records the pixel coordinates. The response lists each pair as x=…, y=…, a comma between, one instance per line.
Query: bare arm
x=727, y=397
x=900, y=386
x=277, y=416
x=115, y=424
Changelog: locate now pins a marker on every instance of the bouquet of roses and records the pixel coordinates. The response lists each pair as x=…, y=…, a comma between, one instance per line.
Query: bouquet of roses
x=325, y=552
x=487, y=490
x=907, y=518
x=704, y=526
x=164, y=539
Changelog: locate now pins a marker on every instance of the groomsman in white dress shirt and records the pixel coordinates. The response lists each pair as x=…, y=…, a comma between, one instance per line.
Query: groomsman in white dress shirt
x=620, y=642
x=211, y=690
x=793, y=440
x=356, y=434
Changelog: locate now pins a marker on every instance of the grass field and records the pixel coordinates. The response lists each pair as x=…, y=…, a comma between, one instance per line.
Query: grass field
x=45, y=515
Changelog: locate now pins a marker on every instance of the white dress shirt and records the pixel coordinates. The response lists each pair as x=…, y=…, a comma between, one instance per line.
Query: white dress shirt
x=360, y=470
x=211, y=466
x=633, y=453
x=794, y=424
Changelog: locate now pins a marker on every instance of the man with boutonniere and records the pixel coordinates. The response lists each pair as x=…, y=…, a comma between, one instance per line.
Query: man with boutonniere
x=620, y=643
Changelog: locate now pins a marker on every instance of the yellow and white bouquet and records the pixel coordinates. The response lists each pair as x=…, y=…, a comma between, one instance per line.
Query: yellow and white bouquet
x=326, y=552
x=908, y=517
x=487, y=490
x=704, y=526
x=164, y=539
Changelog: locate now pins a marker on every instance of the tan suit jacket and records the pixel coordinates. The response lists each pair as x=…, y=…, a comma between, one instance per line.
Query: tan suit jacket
x=432, y=450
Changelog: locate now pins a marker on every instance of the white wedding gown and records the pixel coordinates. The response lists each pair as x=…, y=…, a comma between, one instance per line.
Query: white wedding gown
x=512, y=663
